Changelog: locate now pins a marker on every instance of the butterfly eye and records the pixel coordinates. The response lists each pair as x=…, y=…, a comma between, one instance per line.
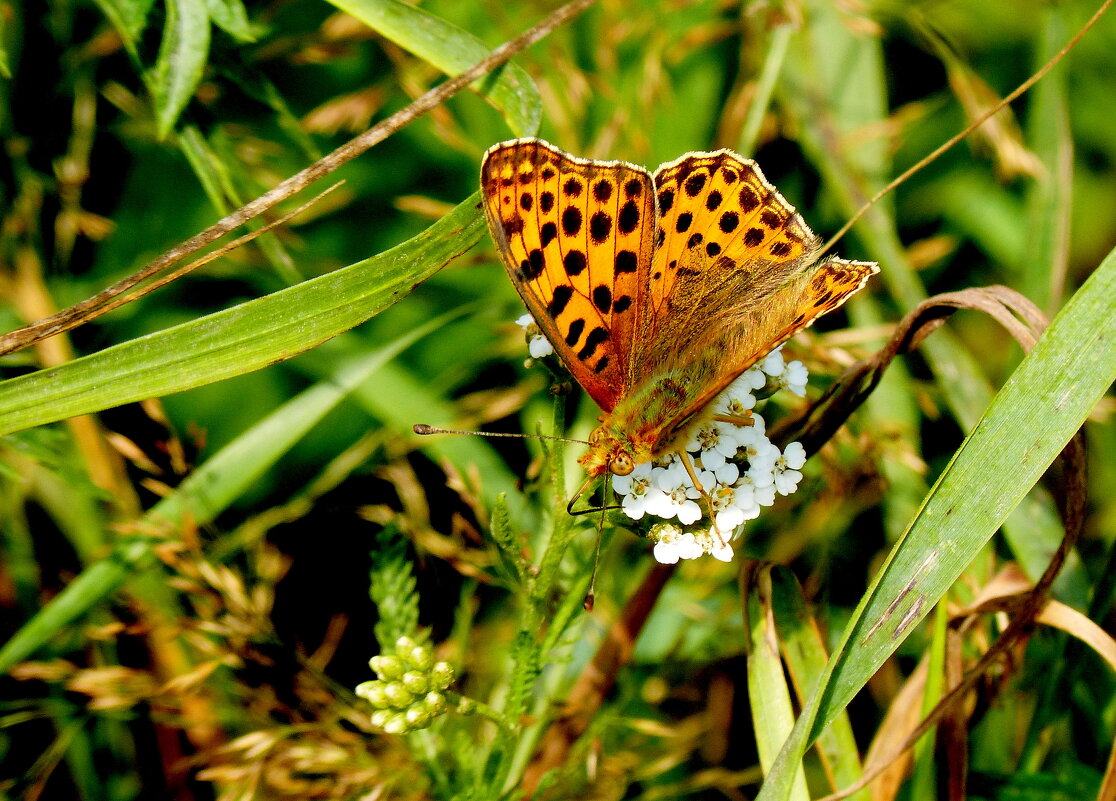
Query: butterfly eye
x=622, y=464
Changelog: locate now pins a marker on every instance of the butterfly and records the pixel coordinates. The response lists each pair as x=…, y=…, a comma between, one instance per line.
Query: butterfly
x=658, y=289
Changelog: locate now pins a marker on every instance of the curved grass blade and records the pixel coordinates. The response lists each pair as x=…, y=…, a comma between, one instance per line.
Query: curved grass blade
x=181, y=61
x=1027, y=424
x=452, y=50
x=241, y=339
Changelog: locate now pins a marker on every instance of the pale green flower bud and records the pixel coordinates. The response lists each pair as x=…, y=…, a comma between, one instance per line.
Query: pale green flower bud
x=396, y=723
x=373, y=692
x=363, y=688
x=415, y=682
x=421, y=658
x=418, y=717
x=376, y=694
x=441, y=675
x=397, y=695
x=436, y=703
x=380, y=717
x=387, y=667
x=405, y=644
x=466, y=706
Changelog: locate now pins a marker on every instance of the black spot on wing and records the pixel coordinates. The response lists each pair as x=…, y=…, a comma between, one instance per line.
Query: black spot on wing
x=621, y=304
x=546, y=202
x=713, y=200
x=548, y=233
x=602, y=190
x=572, y=187
x=571, y=221
x=728, y=222
x=558, y=300
x=753, y=237
x=749, y=200
x=595, y=338
x=780, y=249
x=526, y=201
x=574, y=262
x=628, y=218
x=513, y=227
x=683, y=223
x=574, y=334
x=771, y=218
x=626, y=262
x=532, y=266
x=666, y=200
x=602, y=298
x=695, y=183
x=600, y=227
x=633, y=188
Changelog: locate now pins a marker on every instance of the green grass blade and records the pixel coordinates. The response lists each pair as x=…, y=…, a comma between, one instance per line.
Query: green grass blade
x=768, y=689
x=1027, y=424
x=804, y=651
x=241, y=339
x=128, y=17
x=232, y=17
x=452, y=50
x=182, y=57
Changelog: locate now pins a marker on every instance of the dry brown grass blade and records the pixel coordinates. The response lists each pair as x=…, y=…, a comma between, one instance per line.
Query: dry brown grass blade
x=597, y=678
x=93, y=307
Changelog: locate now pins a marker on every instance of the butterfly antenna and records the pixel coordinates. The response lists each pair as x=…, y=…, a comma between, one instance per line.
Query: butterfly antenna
x=424, y=429
x=979, y=121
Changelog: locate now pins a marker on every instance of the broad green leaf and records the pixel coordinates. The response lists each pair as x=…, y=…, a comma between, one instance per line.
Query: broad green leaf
x=1027, y=424
x=178, y=68
x=204, y=495
x=452, y=50
x=241, y=339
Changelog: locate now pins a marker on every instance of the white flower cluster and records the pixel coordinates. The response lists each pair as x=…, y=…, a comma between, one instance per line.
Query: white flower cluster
x=738, y=466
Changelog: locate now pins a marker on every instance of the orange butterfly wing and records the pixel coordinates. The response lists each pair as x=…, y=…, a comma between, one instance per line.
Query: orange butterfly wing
x=656, y=291
x=734, y=274
x=576, y=238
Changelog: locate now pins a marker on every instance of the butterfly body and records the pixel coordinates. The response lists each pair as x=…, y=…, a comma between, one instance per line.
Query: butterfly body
x=656, y=290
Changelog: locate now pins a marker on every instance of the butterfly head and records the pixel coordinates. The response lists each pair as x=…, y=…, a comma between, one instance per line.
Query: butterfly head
x=610, y=451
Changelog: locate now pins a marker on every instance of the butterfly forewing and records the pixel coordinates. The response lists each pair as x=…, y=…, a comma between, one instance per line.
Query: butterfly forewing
x=576, y=239
x=656, y=292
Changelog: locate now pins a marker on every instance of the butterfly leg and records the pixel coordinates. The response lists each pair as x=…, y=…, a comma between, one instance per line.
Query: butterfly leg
x=687, y=463
x=735, y=419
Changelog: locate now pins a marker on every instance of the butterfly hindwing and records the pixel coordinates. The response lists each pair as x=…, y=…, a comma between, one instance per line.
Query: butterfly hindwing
x=576, y=239
x=739, y=277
